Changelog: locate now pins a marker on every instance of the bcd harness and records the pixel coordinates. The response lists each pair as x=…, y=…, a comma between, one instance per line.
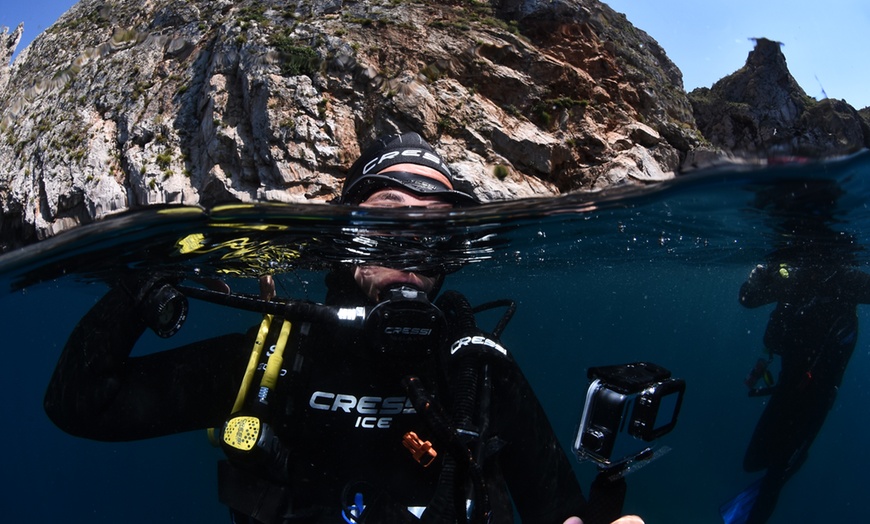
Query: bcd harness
x=256, y=478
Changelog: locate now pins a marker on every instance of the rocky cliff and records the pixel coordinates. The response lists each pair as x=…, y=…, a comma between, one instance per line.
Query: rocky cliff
x=761, y=110
x=123, y=104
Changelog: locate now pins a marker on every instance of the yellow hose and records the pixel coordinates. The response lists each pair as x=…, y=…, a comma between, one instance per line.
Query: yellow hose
x=276, y=359
x=253, y=362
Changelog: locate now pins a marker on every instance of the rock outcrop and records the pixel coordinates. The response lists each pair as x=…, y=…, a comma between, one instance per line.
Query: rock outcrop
x=760, y=110
x=128, y=104
x=8, y=43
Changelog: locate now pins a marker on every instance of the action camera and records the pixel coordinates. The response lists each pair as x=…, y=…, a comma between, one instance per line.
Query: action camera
x=627, y=407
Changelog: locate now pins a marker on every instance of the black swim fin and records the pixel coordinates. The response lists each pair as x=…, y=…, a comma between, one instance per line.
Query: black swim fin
x=736, y=510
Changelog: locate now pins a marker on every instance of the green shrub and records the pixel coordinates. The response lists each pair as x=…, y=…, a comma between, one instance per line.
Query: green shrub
x=164, y=159
x=295, y=59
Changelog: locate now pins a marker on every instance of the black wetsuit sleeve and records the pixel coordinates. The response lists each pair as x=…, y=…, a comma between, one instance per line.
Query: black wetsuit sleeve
x=537, y=470
x=766, y=285
x=99, y=391
x=762, y=287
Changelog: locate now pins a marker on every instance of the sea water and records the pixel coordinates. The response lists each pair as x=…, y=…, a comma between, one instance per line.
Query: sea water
x=605, y=278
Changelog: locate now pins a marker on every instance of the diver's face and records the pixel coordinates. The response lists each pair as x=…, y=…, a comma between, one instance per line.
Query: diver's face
x=399, y=198
x=374, y=279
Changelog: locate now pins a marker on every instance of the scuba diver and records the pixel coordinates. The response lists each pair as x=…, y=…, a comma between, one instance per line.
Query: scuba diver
x=813, y=328
x=423, y=417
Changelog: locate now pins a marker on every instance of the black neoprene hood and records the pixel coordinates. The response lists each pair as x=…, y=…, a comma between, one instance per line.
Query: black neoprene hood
x=367, y=174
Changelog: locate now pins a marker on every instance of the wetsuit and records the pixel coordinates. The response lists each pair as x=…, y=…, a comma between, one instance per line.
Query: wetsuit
x=813, y=328
x=340, y=412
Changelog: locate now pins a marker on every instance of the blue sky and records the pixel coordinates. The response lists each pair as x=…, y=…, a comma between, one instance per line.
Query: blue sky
x=707, y=39
x=824, y=42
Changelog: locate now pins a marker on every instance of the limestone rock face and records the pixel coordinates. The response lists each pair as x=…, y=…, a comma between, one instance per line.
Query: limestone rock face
x=129, y=104
x=8, y=43
x=761, y=110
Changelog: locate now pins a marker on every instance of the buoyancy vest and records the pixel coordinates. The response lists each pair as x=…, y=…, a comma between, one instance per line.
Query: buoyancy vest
x=342, y=418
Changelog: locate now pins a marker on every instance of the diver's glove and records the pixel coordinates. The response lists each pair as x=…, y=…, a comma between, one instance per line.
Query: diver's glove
x=759, y=276
x=772, y=280
x=162, y=307
x=772, y=274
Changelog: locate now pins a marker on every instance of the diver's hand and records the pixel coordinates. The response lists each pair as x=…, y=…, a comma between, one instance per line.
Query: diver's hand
x=776, y=274
x=760, y=275
x=267, y=287
x=628, y=519
x=766, y=283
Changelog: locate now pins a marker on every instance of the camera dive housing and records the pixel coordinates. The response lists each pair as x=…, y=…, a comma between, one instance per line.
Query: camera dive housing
x=627, y=407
